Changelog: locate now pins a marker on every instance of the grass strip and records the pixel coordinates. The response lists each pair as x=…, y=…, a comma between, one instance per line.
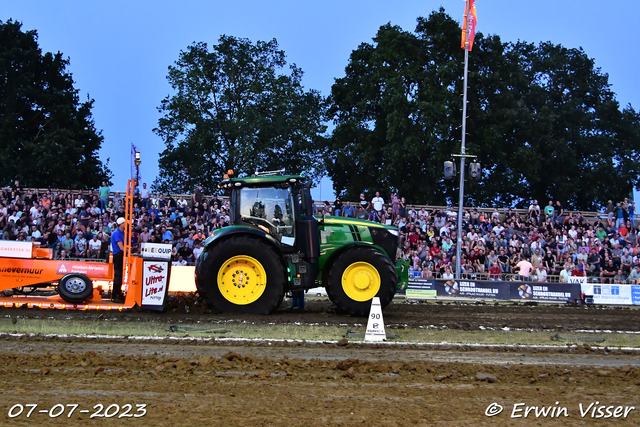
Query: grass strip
x=305, y=332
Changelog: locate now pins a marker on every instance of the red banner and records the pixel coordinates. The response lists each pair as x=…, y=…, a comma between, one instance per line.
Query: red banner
x=471, y=19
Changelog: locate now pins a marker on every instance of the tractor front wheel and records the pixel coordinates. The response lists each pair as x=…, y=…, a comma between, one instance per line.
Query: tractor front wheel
x=241, y=274
x=357, y=276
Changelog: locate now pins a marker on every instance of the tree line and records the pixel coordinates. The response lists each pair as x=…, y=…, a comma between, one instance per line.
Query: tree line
x=542, y=118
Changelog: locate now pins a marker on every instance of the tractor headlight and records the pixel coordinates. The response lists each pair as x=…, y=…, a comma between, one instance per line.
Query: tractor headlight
x=394, y=232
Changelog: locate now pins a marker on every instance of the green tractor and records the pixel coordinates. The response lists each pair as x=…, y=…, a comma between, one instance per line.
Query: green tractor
x=275, y=244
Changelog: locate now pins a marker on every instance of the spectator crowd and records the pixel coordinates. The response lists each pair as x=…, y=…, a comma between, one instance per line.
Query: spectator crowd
x=78, y=224
x=533, y=245
x=538, y=244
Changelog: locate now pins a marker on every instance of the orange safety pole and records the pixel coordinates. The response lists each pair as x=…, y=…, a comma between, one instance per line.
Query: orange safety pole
x=128, y=230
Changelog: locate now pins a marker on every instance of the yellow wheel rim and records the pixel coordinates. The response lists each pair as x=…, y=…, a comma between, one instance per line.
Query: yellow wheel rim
x=361, y=281
x=242, y=280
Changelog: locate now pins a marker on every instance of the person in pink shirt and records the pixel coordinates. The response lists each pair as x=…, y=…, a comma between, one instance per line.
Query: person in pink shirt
x=523, y=268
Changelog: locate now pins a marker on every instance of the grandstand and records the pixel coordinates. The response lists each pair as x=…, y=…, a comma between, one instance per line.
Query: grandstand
x=600, y=245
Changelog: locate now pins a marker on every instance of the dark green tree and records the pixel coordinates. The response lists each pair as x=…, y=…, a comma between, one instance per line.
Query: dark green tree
x=395, y=112
x=47, y=136
x=235, y=108
x=542, y=120
x=548, y=127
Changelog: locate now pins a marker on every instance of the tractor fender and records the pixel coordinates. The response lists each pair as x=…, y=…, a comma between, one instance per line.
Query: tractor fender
x=336, y=253
x=241, y=229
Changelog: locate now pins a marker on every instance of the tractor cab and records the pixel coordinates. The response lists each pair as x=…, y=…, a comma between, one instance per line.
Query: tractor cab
x=271, y=209
x=279, y=205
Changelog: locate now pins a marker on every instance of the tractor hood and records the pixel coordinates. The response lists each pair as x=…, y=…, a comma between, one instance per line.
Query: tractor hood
x=344, y=230
x=354, y=221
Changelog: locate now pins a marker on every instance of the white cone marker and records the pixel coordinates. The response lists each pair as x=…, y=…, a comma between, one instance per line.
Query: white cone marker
x=375, y=325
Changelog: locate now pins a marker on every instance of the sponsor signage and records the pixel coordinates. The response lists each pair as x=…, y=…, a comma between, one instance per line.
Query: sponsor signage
x=542, y=291
x=421, y=288
x=484, y=289
x=155, y=250
x=155, y=276
x=13, y=249
x=473, y=289
x=21, y=271
x=94, y=270
x=635, y=295
x=613, y=294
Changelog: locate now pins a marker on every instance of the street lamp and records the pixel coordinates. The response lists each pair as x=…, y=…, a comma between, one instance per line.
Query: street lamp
x=137, y=162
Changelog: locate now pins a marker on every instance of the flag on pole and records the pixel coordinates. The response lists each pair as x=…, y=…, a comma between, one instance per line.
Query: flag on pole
x=471, y=19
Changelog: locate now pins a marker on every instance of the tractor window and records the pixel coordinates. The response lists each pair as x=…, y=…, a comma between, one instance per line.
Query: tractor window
x=271, y=208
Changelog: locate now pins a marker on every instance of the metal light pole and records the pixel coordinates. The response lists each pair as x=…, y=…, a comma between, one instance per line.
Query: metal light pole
x=463, y=151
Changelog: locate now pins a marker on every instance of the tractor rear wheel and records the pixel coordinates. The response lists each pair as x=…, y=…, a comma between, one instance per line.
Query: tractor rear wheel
x=357, y=276
x=241, y=274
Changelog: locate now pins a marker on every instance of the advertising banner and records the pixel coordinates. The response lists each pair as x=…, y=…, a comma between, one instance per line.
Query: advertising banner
x=22, y=269
x=473, y=289
x=421, y=288
x=548, y=292
x=483, y=289
x=613, y=294
x=13, y=249
x=155, y=276
x=93, y=270
x=155, y=250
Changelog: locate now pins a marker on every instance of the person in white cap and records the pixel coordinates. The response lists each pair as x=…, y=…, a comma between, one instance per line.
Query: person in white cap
x=117, y=249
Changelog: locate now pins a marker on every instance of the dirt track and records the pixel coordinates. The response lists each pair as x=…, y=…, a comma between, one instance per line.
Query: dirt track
x=316, y=385
x=216, y=385
x=465, y=316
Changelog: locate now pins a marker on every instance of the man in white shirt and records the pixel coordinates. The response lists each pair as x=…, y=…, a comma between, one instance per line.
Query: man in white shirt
x=181, y=261
x=197, y=250
x=78, y=202
x=35, y=233
x=377, y=202
x=15, y=216
x=534, y=210
x=59, y=226
x=565, y=273
x=34, y=209
x=182, y=204
x=94, y=247
x=70, y=210
x=36, y=216
x=144, y=195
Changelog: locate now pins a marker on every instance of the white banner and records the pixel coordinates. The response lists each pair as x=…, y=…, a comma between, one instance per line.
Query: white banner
x=155, y=250
x=612, y=294
x=154, y=282
x=13, y=249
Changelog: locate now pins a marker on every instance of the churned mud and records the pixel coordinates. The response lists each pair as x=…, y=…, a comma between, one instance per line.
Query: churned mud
x=214, y=383
x=248, y=386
